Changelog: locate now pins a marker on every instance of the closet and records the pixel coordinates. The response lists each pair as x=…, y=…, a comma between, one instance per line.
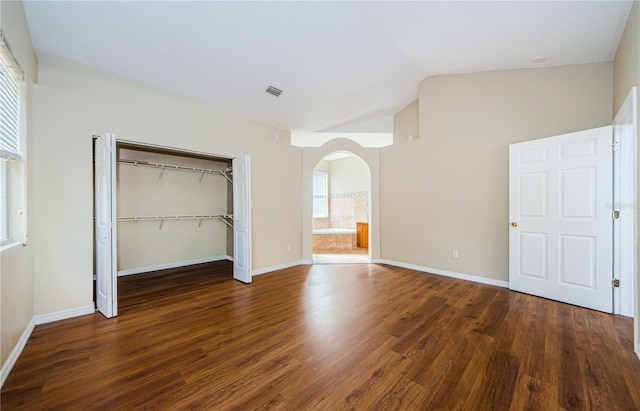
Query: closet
x=172, y=209
x=160, y=208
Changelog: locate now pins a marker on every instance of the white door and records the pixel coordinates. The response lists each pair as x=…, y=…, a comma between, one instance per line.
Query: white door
x=105, y=203
x=242, y=219
x=560, y=239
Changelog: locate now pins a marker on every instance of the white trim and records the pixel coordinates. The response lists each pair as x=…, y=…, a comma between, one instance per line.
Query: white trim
x=64, y=314
x=158, y=267
x=280, y=267
x=625, y=231
x=460, y=276
x=15, y=353
x=11, y=244
x=37, y=320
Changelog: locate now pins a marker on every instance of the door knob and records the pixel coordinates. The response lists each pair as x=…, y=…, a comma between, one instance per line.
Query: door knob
x=514, y=224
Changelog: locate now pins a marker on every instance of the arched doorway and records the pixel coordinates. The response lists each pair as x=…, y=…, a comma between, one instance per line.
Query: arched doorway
x=341, y=209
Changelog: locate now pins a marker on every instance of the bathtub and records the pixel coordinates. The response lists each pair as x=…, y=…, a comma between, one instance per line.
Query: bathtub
x=334, y=231
x=330, y=240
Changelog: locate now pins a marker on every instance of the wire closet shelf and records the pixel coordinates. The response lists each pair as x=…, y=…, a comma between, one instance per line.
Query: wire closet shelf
x=225, y=218
x=226, y=173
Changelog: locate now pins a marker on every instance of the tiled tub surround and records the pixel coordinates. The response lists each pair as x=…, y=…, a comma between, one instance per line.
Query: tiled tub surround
x=330, y=240
x=337, y=233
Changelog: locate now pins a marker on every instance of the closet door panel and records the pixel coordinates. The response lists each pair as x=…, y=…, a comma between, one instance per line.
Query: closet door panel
x=105, y=236
x=242, y=219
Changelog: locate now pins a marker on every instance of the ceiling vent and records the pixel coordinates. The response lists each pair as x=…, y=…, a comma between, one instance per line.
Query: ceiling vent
x=274, y=91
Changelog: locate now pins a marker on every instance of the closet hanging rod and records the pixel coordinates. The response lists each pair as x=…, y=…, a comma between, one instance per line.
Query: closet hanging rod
x=177, y=217
x=223, y=172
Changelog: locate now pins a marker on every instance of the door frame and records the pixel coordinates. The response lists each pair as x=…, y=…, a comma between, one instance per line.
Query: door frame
x=113, y=211
x=310, y=157
x=626, y=263
x=366, y=166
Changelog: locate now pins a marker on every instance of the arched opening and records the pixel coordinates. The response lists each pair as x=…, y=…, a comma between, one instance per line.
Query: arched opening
x=341, y=209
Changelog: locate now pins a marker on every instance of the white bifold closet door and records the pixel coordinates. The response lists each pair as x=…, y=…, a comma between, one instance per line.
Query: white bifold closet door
x=242, y=219
x=105, y=236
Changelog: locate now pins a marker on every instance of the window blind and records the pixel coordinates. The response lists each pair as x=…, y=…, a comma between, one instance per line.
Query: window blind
x=9, y=112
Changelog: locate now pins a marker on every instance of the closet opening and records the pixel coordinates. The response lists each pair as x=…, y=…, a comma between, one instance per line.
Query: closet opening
x=341, y=210
x=173, y=209
x=172, y=218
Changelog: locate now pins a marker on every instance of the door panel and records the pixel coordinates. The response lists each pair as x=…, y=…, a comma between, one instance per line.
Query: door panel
x=533, y=255
x=533, y=194
x=242, y=219
x=105, y=236
x=560, y=242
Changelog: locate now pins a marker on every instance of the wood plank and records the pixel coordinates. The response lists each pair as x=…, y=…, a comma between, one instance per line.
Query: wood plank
x=359, y=336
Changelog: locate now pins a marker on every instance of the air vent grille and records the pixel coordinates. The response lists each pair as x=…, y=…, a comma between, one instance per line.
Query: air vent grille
x=274, y=91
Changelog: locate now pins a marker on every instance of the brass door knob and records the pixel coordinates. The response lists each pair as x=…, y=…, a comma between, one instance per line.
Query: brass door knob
x=514, y=224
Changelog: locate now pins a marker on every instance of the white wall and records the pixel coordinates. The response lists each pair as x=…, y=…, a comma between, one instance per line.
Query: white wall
x=448, y=189
x=147, y=191
x=72, y=106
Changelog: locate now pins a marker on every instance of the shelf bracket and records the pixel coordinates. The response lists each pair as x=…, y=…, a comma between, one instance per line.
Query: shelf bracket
x=226, y=174
x=223, y=219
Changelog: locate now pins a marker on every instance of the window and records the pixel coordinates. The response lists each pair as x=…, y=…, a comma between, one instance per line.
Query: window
x=12, y=145
x=320, y=195
x=4, y=200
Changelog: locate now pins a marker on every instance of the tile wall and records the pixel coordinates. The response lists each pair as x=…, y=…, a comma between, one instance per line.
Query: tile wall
x=345, y=210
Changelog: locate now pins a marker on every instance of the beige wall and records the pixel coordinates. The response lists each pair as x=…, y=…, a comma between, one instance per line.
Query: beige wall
x=310, y=158
x=406, y=123
x=72, y=106
x=16, y=284
x=348, y=175
x=626, y=74
x=323, y=166
x=449, y=188
x=147, y=191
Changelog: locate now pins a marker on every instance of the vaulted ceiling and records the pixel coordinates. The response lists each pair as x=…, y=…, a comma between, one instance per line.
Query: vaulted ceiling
x=336, y=62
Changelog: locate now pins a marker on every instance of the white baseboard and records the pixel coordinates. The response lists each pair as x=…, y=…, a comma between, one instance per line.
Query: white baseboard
x=638, y=350
x=37, y=320
x=64, y=314
x=141, y=270
x=280, y=267
x=15, y=353
x=460, y=276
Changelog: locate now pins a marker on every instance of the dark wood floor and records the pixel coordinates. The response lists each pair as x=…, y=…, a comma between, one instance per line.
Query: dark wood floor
x=327, y=337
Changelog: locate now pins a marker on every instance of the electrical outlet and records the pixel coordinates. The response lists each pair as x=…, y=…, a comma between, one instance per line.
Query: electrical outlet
x=288, y=247
x=455, y=254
